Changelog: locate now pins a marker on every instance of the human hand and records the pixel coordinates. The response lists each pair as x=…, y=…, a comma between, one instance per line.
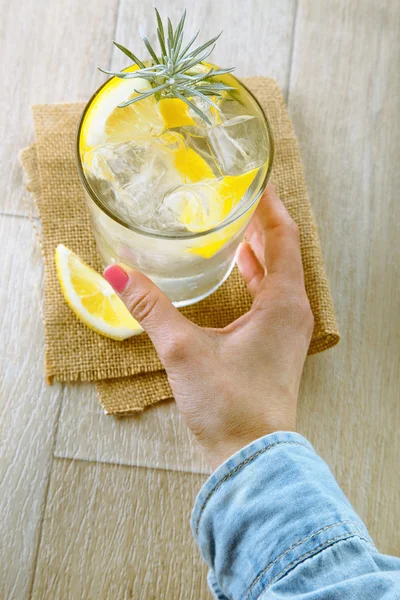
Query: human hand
x=236, y=384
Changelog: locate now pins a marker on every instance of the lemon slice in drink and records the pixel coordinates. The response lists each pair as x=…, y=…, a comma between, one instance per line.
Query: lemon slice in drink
x=175, y=113
x=105, y=122
x=92, y=298
x=223, y=195
x=190, y=165
x=186, y=162
x=205, y=204
x=136, y=121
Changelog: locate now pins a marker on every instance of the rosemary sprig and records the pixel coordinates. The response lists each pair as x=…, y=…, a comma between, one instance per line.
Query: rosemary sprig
x=172, y=72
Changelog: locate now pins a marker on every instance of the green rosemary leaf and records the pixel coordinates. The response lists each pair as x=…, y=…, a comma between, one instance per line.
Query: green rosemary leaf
x=143, y=95
x=161, y=41
x=196, y=92
x=148, y=46
x=191, y=42
x=178, y=35
x=170, y=50
x=175, y=72
x=196, y=78
x=161, y=35
x=178, y=44
x=200, y=49
x=222, y=71
x=154, y=71
x=193, y=107
x=179, y=29
x=217, y=87
x=192, y=78
x=129, y=75
x=158, y=88
x=121, y=75
x=207, y=75
x=170, y=32
x=214, y=94
x=160, y=23
x=130, y=55
x=157, y=69
x=189, y=65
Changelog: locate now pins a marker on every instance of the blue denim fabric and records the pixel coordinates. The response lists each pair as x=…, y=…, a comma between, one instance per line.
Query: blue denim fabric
x=273, y=524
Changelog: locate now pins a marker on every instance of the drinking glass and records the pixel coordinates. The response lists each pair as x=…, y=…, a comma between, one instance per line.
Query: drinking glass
x=187, y=266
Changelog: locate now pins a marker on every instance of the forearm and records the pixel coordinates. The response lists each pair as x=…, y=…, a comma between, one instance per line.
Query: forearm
x=272, y=520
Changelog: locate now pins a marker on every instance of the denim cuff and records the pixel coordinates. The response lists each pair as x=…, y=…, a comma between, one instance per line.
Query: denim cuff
x=270, y=506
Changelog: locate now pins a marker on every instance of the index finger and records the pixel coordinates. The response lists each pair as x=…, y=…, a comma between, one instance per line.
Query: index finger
x=275, y=238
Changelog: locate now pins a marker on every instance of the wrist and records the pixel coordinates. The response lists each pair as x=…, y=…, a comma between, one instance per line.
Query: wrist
x=224, y=449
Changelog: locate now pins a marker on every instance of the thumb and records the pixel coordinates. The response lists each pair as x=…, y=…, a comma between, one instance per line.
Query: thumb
x=149, y=306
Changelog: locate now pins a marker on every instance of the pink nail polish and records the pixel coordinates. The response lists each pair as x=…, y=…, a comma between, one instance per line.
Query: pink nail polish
x=117, y=277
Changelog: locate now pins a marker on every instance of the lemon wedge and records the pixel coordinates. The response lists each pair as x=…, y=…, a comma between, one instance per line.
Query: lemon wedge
x=92, y=298
x=232, y=188
x=187, y=162
x=137, y=121
x=105, y=122
x=191, y=166
x=224, y=195
x=175, y=113
x=205, y=204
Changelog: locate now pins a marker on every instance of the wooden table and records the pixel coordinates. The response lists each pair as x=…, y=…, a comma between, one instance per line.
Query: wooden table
x=92, y=507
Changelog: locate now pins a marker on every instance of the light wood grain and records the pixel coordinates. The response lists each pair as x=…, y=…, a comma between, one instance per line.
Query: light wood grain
x=50, y=52
x=344, y=100
x=256, y=39
x=155, y=438
x=28, y=408
x=115, y=532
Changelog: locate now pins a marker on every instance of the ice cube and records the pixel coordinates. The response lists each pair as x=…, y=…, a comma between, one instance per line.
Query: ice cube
x=238, y=144
x=231, y=108
x=132, y=178
x=195, y=206
x=142, y=195
x=116, y=162
x=201, y=146
x=190, y=156
x=214, y=116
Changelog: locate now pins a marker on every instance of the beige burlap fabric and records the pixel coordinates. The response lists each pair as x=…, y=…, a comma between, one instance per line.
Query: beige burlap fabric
x=122, y=395
x=74, y=352
x=125, y=395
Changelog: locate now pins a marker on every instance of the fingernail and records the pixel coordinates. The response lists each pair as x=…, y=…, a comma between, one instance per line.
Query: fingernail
x=117, y=277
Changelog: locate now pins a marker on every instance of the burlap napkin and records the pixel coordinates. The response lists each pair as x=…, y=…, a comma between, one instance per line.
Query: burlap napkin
x=74, y=352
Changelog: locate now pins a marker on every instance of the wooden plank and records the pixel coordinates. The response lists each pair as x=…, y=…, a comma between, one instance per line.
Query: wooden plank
x=344, y=101
x=28, y=408
x=256, y=40
x=50, y=53
x=156, y=438
x=112, y=531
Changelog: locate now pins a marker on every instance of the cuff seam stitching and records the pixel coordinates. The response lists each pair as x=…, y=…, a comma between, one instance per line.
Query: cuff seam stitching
x=299, y=543
x=240, y=466
x=309, y=554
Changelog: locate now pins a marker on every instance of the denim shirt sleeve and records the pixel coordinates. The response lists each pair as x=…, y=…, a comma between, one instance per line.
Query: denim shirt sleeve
x=272, y=523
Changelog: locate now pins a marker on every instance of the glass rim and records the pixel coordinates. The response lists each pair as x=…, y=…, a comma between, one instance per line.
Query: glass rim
x=175, y=235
